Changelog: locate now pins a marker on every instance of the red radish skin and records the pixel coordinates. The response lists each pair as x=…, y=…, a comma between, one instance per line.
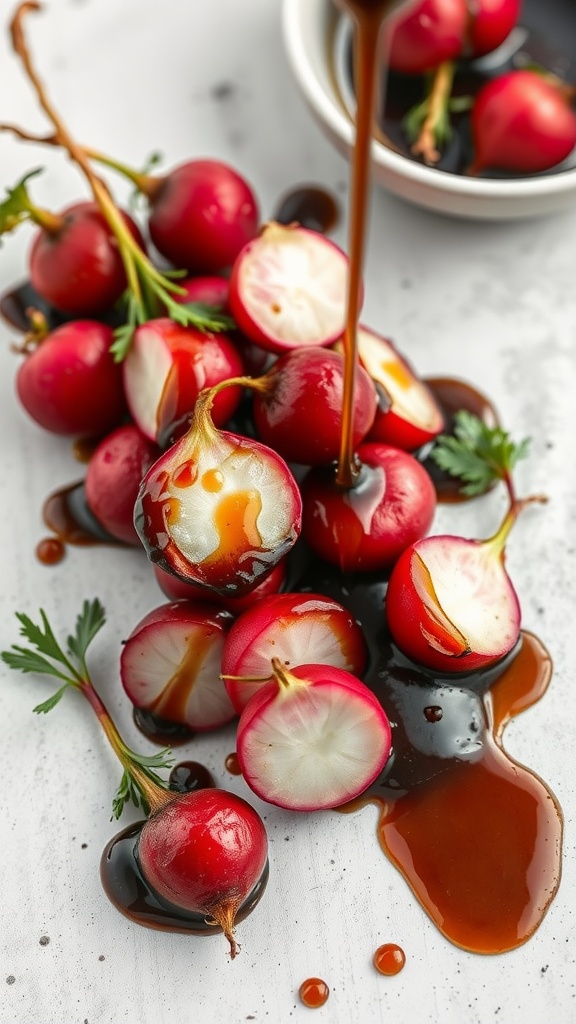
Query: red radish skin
x=521, y=122
x=490, y=22
x=409, y=416
x=201, y=215
x=113, y=479
x=205, y=851
x=369, y=526
x=294, y=629
x=165, y=370
x=178, y=589
x=312, y=739
x=170, y=665
x=288, y=289
x=208, y=290
x=217, y=509
x=78, y=269
x=69, y=384
x=427, y=34
x=299, y=411
x=450, y=605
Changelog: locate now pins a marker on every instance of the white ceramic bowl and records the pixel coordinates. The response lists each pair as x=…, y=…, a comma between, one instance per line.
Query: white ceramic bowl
x=310, y=27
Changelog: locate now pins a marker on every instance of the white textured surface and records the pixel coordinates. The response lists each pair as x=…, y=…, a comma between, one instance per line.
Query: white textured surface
x=492, y=303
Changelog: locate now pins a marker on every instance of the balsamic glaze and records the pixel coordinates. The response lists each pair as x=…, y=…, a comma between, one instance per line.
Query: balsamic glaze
x=310, y=206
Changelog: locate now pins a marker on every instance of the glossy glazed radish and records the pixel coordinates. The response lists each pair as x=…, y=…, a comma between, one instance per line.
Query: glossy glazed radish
x=177, y=589
x=170, y=665
x=218, y=509
x=75, y=262
x=201, y=215
x=209, y=290
x=312, y=738
x=165, y=370
x=205, y=851
x=450, y=603
x=368, y=526
x=298, y=406
x=113, y=479
x=288, y=289
x=295, y=629
x=426, y=34
x=69, y=383
x=522, y=122
x=490, y=23
x=409, y=415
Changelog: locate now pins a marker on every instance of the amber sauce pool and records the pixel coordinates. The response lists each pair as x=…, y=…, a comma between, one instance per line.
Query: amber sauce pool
x=476, y=835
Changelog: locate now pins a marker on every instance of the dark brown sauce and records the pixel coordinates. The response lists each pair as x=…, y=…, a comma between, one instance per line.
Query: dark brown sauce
x=83, y=448
x=66, y=513
x=389, y=959
x=453, y=395
x=232, y=764
x=476, y=835
x=129, y=892
x=313, y=993
x=188, y=776
x=310, y=206
x=161, y=730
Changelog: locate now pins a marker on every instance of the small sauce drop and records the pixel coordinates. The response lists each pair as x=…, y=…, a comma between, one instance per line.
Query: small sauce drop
x=313, y=993
x=232, y=764
x=311, y=206
x=188, y=776
x=83, y=448
x=50, y=550
x=389, y=959
x=433, y=713
x=67, y=514
x=212, y=481
x=185, y=474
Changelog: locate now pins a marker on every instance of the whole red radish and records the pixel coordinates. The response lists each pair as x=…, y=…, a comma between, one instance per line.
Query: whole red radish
x=295, y=629
x=522, y=121
x=177, y=589
x=288, y=289
x=409, y=415
x=201, y=214
x=313, y=738
x=427, y=34
x=75, y=262
x=218, y=509
x=298, y=406
x=167, y=367
x=69, y=383
x=113, y=479
x=368, y=526
x=490, y=22
x=170, y=665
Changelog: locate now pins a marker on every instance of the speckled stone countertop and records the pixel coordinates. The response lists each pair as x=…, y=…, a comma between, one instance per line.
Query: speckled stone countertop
x=491, y=303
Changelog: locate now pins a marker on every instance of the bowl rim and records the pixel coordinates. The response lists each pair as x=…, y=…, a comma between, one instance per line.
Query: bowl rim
x=328, y=109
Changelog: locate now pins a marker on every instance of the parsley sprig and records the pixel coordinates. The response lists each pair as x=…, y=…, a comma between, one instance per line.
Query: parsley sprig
x=46, y=656
x=480, y=455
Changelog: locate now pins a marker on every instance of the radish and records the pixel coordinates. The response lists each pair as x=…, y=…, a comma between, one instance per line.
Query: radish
x=218, y=509
x=490, y=22
x=367, y=527
x=294, y=629
x=170, y=665
x=177, y=589
x=288, y=289
x=522, y=121
x=204, y=851
x=113, y=480
x=298, y=382
x=165, y=370
x=69, y=383
x=427, y=34
x=312, y=739
x=409, y=416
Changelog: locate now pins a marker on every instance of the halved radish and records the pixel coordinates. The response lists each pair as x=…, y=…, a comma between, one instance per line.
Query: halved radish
x=294, y=629
x=312, y=739
x=170, y=665
x=176, y=589
x=166, y=368
x=410, y=415
x=288, y=289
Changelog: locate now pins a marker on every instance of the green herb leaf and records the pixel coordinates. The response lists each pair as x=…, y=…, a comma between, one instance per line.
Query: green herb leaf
x=480, y=455
x=88, y=624
x=16, y=207
x=47, y=705
x=127, y=792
